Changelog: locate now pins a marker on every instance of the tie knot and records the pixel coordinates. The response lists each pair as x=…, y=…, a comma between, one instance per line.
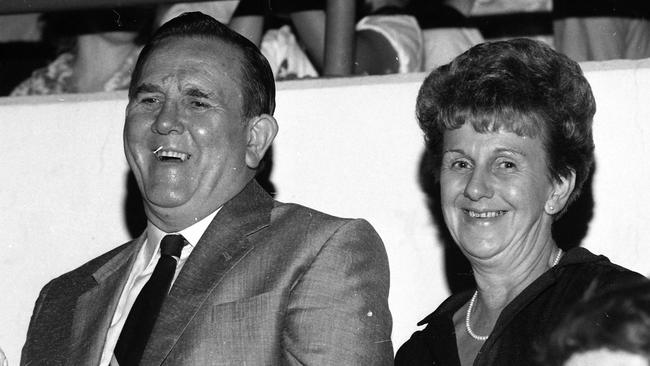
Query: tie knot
x=172, y=245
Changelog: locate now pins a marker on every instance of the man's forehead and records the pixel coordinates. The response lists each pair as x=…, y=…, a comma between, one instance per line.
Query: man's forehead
x=182, y=60
x=214, y=46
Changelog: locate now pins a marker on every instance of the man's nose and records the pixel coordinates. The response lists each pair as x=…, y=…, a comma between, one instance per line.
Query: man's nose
x=479, y=185
x=168, y=120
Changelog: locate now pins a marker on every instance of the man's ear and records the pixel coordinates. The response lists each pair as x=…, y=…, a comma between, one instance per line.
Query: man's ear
x=261, y=132
x=560, y=195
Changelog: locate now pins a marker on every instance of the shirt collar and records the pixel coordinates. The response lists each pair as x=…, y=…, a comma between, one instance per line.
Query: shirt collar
x=192, y=233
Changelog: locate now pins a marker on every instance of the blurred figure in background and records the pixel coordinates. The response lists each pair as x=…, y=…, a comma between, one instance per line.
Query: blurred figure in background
x=446, y=29
x=250, y=18
x=97, y=51
x=610, y=329
x=388, y=40
x=387, y=23
x=21, y=49
x=244, y=17
x=598, y=30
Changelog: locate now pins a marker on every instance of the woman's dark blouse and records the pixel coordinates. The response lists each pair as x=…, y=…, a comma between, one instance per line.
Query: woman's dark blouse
x=524, y=323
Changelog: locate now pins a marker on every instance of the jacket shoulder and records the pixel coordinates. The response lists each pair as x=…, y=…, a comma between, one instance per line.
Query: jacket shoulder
x=295, y=214
x=88, y=268
x=50, y=324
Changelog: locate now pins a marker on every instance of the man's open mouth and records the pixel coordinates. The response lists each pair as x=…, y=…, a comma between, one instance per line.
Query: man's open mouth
x=170, y=156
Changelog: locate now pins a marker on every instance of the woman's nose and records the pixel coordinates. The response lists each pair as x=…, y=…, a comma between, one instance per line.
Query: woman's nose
x=168, y=120
x=479, y=185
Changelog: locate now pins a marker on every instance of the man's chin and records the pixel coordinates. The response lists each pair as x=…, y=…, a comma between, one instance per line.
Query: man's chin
x=166, y=199
x=169, y=216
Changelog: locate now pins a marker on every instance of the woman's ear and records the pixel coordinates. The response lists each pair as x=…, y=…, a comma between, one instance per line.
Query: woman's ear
x=261, y=132
x=562, y=189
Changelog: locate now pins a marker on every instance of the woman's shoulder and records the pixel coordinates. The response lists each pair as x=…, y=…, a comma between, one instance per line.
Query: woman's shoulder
x=414, y=351
x=598, y=270
x=437, y=341
x=447, y=308
x=583, y=258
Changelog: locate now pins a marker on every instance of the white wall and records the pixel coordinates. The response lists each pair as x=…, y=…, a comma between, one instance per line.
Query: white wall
x=349, y=147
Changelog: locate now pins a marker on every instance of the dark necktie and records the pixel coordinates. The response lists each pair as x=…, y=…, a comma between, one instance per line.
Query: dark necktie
x=146, y=307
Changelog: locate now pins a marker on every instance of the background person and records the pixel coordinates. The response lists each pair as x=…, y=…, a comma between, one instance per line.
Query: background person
x=387, y=38
x=508, y=126
x=599, y=30
x=446, y=29
x=97, y=51
x=244, y=17
x=610, y=329
x=253, y=281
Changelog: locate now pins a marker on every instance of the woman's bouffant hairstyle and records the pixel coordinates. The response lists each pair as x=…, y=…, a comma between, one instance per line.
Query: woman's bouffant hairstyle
x=257, y=82
x=520, y=86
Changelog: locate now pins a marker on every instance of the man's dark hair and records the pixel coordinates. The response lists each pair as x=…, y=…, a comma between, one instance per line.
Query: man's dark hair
x=617, y=320
x=257, y=82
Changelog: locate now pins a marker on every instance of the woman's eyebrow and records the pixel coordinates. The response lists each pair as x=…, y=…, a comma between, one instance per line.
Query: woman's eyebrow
x=457, y=151
x=509, y=150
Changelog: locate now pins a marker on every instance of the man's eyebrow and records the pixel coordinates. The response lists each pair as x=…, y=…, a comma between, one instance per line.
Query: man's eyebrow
x=146, y=88
x=195, y=92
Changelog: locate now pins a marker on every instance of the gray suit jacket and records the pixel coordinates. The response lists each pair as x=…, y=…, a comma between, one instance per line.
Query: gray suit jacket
x=267, y=284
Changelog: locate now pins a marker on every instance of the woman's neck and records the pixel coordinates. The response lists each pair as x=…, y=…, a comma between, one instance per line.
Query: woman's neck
x=97, y=60
x=499, y=282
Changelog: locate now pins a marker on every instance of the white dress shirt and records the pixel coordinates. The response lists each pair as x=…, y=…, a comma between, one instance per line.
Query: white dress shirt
x=143, y=267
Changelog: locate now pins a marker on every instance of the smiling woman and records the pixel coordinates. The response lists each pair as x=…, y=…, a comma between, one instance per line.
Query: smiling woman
x=508, y=128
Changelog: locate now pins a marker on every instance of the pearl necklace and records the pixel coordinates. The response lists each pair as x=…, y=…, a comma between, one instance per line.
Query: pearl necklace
x=473, y=300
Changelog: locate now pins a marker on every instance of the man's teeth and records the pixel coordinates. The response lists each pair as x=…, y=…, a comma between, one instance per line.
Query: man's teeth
x=169, y=155
x=485, y=215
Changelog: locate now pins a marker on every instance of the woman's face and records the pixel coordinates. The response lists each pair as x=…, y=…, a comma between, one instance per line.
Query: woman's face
x=494, y=189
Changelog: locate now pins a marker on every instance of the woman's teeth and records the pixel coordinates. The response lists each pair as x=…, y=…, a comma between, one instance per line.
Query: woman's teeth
x=485, y=215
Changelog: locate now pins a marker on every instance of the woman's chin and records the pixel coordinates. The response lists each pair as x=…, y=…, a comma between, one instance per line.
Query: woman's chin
x=481, y=248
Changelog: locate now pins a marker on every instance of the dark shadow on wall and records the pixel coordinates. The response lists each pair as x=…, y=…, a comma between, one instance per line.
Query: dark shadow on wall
x=572, y=227
x=568, y=231
x=134, y=216
x=263, y=175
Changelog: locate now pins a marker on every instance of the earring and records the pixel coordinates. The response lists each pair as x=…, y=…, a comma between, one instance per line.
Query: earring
x=550, y=209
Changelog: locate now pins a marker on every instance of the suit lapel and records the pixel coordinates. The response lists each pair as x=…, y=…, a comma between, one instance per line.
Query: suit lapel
x=221, y=247
x=95, y=307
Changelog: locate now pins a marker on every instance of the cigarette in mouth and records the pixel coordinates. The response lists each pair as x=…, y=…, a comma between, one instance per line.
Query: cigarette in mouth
x=158, y=149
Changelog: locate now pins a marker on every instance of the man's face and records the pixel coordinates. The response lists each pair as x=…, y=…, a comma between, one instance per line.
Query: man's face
x=184, y=136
